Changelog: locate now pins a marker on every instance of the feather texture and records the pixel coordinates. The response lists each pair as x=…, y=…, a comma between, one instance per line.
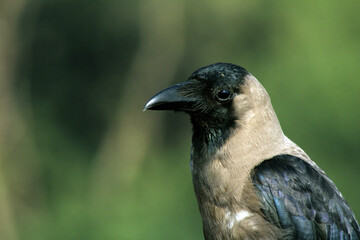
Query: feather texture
x=300, y=199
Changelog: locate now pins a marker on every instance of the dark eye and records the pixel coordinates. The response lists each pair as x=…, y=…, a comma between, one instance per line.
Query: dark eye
x=223, y=94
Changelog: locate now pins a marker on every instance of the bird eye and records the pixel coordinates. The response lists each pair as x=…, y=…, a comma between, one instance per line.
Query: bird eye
x=223, y=94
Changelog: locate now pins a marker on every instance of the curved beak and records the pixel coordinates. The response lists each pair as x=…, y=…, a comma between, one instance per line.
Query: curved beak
x=171, y=98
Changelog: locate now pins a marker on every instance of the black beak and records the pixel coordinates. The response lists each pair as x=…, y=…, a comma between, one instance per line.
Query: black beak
x=172, y=98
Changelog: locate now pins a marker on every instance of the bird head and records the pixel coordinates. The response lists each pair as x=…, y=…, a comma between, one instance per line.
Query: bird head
x=214, y=96
x=221, y=99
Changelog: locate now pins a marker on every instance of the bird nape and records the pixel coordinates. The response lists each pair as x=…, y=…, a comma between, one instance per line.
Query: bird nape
x=250, y=180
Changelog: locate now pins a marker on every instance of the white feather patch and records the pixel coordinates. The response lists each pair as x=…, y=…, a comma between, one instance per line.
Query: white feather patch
x=234, y=218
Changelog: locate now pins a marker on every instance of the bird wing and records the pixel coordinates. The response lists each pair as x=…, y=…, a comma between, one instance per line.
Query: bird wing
x=298, y=198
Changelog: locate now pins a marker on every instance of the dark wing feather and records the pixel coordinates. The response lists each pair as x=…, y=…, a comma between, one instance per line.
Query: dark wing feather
x=302, y=200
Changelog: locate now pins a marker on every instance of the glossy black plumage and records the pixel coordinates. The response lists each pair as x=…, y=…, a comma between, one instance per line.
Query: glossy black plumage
x=300, y=199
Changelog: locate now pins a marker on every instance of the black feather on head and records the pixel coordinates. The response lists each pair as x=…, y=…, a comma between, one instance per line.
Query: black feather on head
x=207, y=96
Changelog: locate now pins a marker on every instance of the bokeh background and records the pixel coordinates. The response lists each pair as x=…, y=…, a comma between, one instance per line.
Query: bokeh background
x=78, y=157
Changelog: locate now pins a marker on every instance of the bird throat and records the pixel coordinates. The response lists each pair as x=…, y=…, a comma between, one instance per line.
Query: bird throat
x=207, y=140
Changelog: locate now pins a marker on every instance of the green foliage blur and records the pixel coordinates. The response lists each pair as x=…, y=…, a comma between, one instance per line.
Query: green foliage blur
x=80, y=160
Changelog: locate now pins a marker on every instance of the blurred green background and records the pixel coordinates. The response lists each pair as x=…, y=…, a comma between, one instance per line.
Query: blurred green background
x=78, y=157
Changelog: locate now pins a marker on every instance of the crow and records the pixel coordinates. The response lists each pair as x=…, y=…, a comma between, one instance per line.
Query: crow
x=250, y=180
